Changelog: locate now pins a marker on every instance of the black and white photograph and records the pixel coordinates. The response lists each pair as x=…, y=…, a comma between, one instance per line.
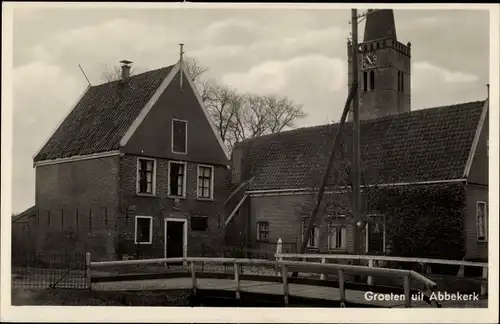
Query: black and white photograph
x=250, y=163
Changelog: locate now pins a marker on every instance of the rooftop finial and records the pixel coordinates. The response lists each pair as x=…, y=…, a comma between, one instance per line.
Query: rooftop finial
x=181, y=56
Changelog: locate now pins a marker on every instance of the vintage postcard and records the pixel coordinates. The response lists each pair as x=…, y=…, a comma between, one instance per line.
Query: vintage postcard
x=250, y=163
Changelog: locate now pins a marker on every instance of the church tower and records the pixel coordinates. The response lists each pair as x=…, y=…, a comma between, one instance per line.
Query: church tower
x=384, y=68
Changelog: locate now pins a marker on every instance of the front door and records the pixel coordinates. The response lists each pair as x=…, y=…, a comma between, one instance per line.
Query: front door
x=175, y=239
x=375, y=234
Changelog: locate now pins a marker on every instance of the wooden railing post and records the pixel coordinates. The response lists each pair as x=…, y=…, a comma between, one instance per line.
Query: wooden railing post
x=322, y=276
x=193, y=277
x=370, y=278
x=484, y=281
x=341, y=287
x=284, y=275
x=237, y=279
x=88, y=271
x=407, y=289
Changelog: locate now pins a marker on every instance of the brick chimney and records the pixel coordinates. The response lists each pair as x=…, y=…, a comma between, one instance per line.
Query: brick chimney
x=125, y=69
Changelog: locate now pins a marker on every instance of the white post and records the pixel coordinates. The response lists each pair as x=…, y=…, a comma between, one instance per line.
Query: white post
x=484, y=281
x=279, y=249
x=370, y=278
x=323, y=261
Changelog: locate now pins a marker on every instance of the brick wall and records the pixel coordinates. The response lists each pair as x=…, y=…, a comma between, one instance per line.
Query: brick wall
x=161, y=207
x=77, y=204
x=284, y=214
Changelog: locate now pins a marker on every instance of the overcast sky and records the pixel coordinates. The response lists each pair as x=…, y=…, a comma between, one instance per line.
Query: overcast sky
x=298, y=53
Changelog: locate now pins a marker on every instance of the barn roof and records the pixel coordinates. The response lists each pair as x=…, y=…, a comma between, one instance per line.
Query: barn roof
x=423, y=145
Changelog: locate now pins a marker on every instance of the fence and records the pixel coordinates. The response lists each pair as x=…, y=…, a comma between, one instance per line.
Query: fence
x=381, y=261
x=49, y=270
x=284, y=267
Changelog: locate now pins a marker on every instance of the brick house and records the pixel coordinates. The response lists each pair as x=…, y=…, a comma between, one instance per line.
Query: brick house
x=400, y=149
x=429, y=147
x=137, y=166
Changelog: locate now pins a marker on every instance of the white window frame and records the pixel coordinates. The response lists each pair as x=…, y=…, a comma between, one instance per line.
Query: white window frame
x=332, y=240
x=184, y=180
x=212, y=174
x=259, y=239
x=138, y=177
x=150, y=229
x=315, y=234
x=485, y=221
x=384, y=234
x=186, y=137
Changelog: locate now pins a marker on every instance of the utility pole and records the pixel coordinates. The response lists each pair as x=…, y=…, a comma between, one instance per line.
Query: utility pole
x=356, y=159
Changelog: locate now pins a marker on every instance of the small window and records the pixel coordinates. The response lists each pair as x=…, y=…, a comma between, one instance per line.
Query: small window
x=199, y=223
x=205, y=182
x=313, y=238
x=146, y=176
x=482, y=221
x=177, y=179
x=263, y=231
x=179, y=136
x=337, y=237
x=372, y=80
x=365, y=81
x=143, y=229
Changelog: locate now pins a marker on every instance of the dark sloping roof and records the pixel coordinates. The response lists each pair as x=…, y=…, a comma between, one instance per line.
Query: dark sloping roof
x=102, y=116
x=23, y=217
x=423, y=145
x=380, y=24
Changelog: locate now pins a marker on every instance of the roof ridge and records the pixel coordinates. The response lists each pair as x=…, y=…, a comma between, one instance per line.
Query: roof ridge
x=135, y=75
x=368, y=121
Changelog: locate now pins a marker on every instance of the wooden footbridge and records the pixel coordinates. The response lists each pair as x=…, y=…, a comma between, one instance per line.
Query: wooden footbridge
x=320, y=281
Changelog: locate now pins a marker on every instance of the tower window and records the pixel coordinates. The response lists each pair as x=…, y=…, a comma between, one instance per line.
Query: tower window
x=401, y=81
x=372, y=80
x=365, y=81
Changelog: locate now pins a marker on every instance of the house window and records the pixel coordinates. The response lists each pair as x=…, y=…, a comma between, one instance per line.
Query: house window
x=337, y=237
x=143, y=229
x=199, y=223
x=205, y=181
x=365, y=81
x=179, y=136
x=372, y=80
x=313, y=241
x=482, y=221
x=146, y=176
x=177, y=179
x=263, y=231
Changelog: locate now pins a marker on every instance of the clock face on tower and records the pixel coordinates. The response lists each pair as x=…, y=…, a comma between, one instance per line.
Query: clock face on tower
x=369, y=60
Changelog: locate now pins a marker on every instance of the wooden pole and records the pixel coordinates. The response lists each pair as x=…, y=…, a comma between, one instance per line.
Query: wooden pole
x=341, y=286
x=237, y=279
x=356, y=172
x=321, y=189
x=88, y=271
x=284, y=275
x=193, y=277
x=407, y=289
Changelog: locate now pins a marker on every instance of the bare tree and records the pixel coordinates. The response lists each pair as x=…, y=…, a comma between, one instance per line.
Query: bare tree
x=237, y=116
x=115, y=73
x=195, y=68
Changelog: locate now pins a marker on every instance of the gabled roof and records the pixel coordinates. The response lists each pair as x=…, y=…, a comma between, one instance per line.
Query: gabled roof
x=423, y=145
x=102, y=116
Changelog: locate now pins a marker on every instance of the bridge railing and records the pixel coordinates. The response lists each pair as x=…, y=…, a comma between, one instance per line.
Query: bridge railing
x=283, y=268
x=378, y=260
